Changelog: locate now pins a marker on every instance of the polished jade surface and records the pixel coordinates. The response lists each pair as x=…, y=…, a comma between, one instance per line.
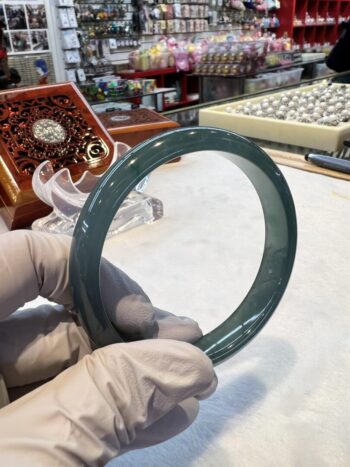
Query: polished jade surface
x=280, y=234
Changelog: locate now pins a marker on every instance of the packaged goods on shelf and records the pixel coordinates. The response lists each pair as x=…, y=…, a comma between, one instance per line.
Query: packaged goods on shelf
x=110, y=87
x=168, y=53
x=235, y=56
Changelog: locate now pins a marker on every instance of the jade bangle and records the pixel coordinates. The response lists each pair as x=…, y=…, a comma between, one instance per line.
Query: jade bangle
x=280, y=234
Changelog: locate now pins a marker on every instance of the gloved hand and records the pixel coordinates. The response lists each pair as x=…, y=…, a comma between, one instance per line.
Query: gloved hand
x=101, y=404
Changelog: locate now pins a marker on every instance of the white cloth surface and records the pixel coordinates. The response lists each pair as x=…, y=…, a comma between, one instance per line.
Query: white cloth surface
x=285, y=398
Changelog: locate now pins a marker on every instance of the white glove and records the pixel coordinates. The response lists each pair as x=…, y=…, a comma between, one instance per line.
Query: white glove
x=105, y=403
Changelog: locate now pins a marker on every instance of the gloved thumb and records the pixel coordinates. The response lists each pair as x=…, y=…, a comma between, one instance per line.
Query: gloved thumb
x=116, y=399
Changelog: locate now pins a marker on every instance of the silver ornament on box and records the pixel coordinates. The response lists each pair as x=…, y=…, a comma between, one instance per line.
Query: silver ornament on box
x=331, y=110
x=339, y=106
x=345, y=116
x=328, y=121
x=305, y=118
x=284, y=108
x=291, y=115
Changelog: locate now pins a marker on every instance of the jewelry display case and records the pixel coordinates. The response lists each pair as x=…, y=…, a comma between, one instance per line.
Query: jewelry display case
x=313, y=117
x=278, y=137
x=134, y=126
x=53, y=123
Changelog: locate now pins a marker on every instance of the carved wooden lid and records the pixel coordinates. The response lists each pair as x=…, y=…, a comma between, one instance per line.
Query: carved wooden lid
x=134, y=120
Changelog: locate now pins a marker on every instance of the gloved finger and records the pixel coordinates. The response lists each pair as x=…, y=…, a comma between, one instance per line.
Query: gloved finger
x=33, y=264
x=172, y=424
x=135, y=318
x=37, y=344
x=95, y=409
x=36, y=263
x=133, y=314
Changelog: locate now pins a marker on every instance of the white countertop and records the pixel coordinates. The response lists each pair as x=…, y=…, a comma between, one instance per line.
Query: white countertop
x=284, y=400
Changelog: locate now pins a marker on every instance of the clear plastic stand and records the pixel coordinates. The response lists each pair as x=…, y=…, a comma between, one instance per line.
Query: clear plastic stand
x=67, y=198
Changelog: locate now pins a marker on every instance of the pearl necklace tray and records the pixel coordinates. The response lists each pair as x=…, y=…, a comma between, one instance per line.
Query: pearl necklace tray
x=322, y=124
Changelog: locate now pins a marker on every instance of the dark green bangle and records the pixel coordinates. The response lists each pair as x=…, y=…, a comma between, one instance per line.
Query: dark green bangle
x=102, y=204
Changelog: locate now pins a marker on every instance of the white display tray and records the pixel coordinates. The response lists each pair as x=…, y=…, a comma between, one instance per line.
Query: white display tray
x=311, y=136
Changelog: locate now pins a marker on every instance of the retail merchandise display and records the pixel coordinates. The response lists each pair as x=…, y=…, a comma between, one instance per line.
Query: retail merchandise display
x=314, y=117
x=233, y=56
x=324, y=105
x=169, y=52
x=110, y=87
x=169, y=18
x=250, y=15
x=91, y=33
x=226, y=54
x=189, y=16
x=242, y=41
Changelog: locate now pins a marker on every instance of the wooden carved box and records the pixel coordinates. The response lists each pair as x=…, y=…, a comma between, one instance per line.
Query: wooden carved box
x=40, y=123
x=134, y=126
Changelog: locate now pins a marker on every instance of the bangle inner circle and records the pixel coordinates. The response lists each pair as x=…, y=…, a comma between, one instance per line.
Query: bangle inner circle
x=103, y=203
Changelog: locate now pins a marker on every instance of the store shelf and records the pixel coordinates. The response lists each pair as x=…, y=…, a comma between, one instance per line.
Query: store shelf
x=305, y=34
x=186, y=84
x=132, y=74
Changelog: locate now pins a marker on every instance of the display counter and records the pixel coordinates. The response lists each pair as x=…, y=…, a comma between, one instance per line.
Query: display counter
x=271, y=138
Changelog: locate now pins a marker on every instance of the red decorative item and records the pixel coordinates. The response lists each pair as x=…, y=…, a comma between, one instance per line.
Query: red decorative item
x=53, y=123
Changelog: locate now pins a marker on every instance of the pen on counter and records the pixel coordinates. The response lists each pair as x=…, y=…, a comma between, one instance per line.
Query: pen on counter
x=329, y=162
